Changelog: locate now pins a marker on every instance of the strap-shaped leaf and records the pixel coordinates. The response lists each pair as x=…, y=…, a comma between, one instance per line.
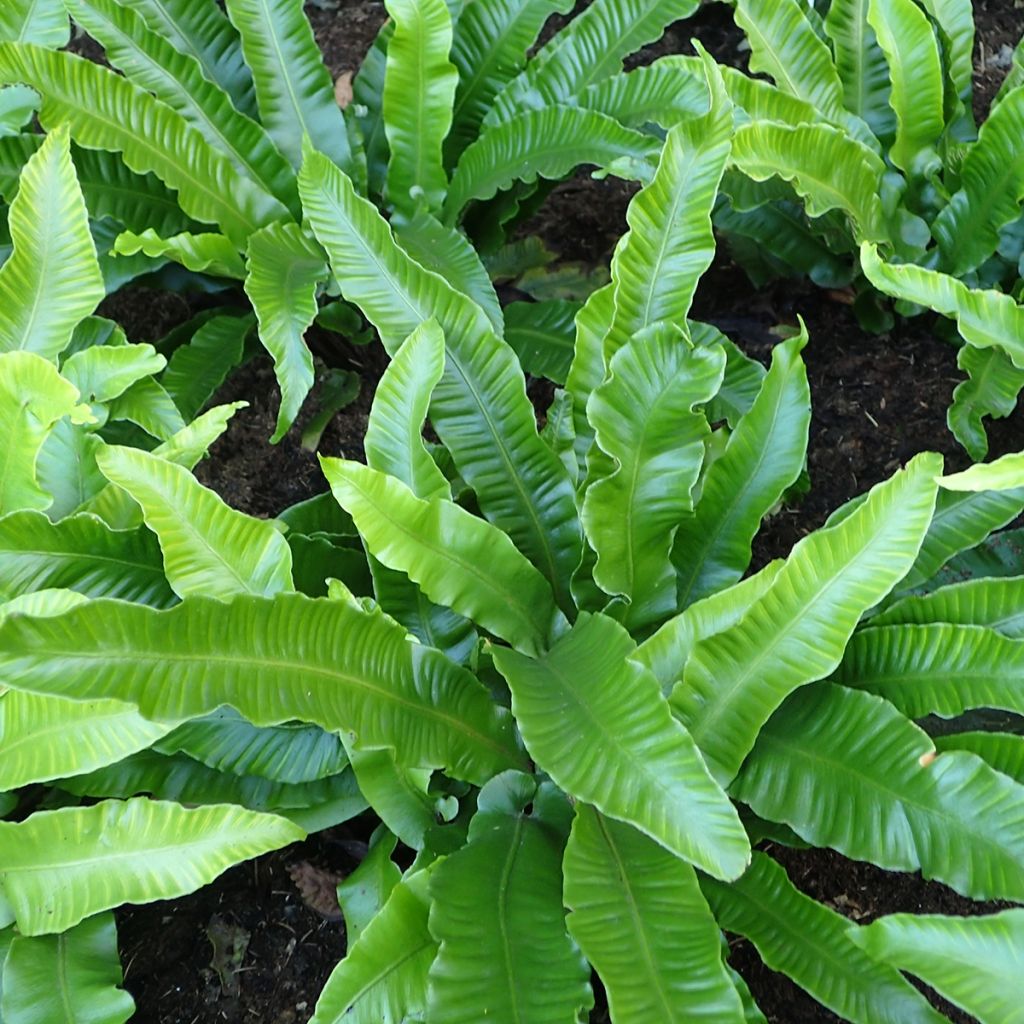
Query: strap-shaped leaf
x=149, y=406
x=985, y=319
x=798, y=631
x=310, y=805
x=549, y=143
x=961, y=520
x=209, y=548
x=497, y=915
x=384, y=972
x=363, y=893
x=1002, y=751
x=543, y=335
x=669, y=245
x=765, y=454
x=283, y=268
x=785, y=45
x=285, y=753
x=936, y=668
x=72, y=978
x=991, y=190
x=398, y=795
x=915, y=69
x=103, y=372
x=60, y=867
x=200, y=29
x=666, y=652
x=828, y=168
x=446, y=251
x=489, y=47
x=83, y=554
x=480, y=408
x=659, y=93
x=976, y=962
x=861, y=64
x=662, y=960
x=206, y=253
x=33, y=397
x=588, y=366
x=293, y=88
x=198, y=369
x=319, y=661
x=151, y=61
x=995, y=603
x=394, y=434
x=597, y=723
x=590, y=49
x=845, y=769
x=106, y=111
x=457, y=559
x=955, y=22
x=52, y=279
x=35, y=21
x=648, y=426
x=419, y=88
x=18, y=104
x=991, y=389
x=44, y=738
x=811, y=944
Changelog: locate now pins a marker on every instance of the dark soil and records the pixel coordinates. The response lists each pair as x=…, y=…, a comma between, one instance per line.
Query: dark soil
x=877, y=401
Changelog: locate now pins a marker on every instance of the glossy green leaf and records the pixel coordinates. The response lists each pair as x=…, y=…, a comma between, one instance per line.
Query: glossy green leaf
x=995, y=603
x=597, y=723
x=397, y=794
x=936, y=668
x=489, y=47
x=18, y=105
x=50, y=601
x=287, y=753
x=83, y=554
x=293, y=89
x=419, y=88
x=105, y=371
x=764, y=455
x=52, y=279
x=198, y=369
x=33, y=397
x=497, y=915
x=549, y=143
x=588, y=366
x=446, y=251
x=589, y=49
x=209, y=548
x=976, y=962
x=1000, y=750
x=828, y=168
x=798, y=631
x=991, y=389
x=955, y=22
x=207, y=253
x=961, y=520
x=365, y=891
x=648, y=426
x=35, y=21
x=151, y=60
x=58, y=866
x=148, y=405
x=200, y=29
x=811, y=944
x=44, y=738
x=669, y=245
x=106, y=111
x=71, y=978
x=543, y=335
x=457, y=559
x=984, y=319
x=291, y=658
x=661, y=961
x=480, y=408
x=283, y=269
x=1004, y=474
x=385, y=971
x=847, y=770
x=861, y=64
x=915, y=69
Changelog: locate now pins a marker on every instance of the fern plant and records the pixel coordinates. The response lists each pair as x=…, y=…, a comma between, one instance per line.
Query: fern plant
x=190, y=155
x=536, y=657
x=867, y=137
